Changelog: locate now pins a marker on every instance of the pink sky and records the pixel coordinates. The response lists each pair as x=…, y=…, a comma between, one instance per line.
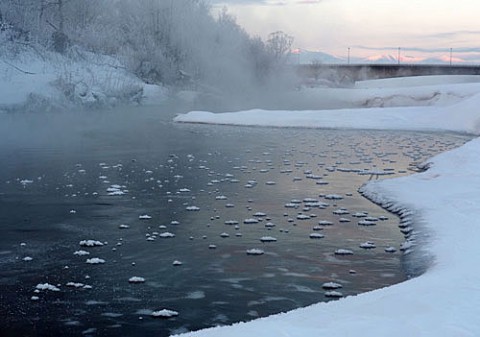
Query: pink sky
x=423, y=29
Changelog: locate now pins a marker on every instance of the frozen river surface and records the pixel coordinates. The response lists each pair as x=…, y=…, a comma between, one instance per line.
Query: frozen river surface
x=178, y=207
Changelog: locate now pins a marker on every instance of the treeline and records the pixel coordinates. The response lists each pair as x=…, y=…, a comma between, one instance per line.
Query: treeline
x=173, y=42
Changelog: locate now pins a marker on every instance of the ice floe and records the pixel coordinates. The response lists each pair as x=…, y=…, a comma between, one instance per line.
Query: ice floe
x=136, y=279
x=164, y=313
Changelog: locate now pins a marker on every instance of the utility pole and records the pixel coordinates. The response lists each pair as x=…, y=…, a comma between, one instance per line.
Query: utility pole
x=398, y=56
x=451, y=56
x=348, y=57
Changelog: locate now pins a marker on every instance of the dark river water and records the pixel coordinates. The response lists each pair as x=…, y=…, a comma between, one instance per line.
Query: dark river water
x=179, y=206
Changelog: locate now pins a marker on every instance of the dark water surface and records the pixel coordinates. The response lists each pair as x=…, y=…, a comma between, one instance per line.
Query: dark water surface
x=58, y=170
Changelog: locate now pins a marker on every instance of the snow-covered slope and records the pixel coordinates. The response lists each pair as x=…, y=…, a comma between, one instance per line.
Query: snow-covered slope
x=31, y=81
x=446, y=202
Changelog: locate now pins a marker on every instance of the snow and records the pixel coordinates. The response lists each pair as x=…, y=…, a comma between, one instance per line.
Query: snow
x=443, y=201
x=136, y=279
x=406, y=112
x=164, y=313
x=28, y=80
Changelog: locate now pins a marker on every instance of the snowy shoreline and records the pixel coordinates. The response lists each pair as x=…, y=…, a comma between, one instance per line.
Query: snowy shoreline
x=443, y=300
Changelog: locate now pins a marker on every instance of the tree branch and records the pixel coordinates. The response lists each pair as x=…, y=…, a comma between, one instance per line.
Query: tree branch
x=17, y=68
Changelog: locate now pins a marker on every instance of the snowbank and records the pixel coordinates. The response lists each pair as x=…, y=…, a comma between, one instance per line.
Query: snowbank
x=33, y=81
x=444, y=300
x=454, y=107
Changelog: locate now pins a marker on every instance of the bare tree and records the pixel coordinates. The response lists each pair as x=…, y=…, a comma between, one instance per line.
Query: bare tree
x=279, y=44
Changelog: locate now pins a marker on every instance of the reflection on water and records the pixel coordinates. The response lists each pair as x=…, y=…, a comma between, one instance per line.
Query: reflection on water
x=179, y=206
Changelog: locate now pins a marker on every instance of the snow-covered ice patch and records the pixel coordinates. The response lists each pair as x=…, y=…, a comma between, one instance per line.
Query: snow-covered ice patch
x=164, y=313
x=95, y=260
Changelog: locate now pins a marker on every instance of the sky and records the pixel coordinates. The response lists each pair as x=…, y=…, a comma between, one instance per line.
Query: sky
x=422, y=29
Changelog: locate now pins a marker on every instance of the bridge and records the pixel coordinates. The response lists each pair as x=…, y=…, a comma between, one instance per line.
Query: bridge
x=355, y=72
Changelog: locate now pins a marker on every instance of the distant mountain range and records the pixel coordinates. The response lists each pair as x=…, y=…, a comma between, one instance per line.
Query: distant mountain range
x=302, y=56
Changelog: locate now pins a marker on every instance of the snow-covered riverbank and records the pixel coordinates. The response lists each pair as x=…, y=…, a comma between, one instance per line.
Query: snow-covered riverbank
x=443, y=300
x=33, y=82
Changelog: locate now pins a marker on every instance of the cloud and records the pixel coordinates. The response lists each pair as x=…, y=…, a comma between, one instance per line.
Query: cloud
x=454, y=35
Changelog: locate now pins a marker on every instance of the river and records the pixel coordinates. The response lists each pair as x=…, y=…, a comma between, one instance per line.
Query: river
x=179, y=206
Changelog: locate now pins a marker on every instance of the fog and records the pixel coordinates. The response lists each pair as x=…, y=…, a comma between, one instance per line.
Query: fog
x=176, y=43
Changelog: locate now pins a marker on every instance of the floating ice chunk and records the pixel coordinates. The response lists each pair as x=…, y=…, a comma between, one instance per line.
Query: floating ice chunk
x=250, y=221
x=371, y=218
x=231, y=222
x=175, y=223
x=136, y=279
x=343, y=220
x=75, y=285
x=34, y=298
x=229, y=205
x=144, y=217
x=123, y=226
x=177, y=263
x=390, y=249
x=317, y=228
x=331, y=285
x=360, y=214
x=184, y=190
x=224, y=235
x=268, y=239
x=368, y=245
x=270, y=183
x=316, y=236
x=81, y=252
x=220, y=197
x=255, y=251
x=333, y=197
x=212, y=247
x=166, y=235
x=260, y=214
x=27, y=258
x=333, y=293
x=325, y=223
x=192, y=208
x=343, y=252
x=291, y=205
x=341, y=211
x=116, y=193
x=90, y=243
x=366, y=223
x=26, y=182
x=164, y=313
x=303, y=217
x=46, y=286
x=95, y=260
x=269, y=225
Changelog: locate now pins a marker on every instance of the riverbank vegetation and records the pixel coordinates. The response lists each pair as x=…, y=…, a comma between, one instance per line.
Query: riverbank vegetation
x=178, y=44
